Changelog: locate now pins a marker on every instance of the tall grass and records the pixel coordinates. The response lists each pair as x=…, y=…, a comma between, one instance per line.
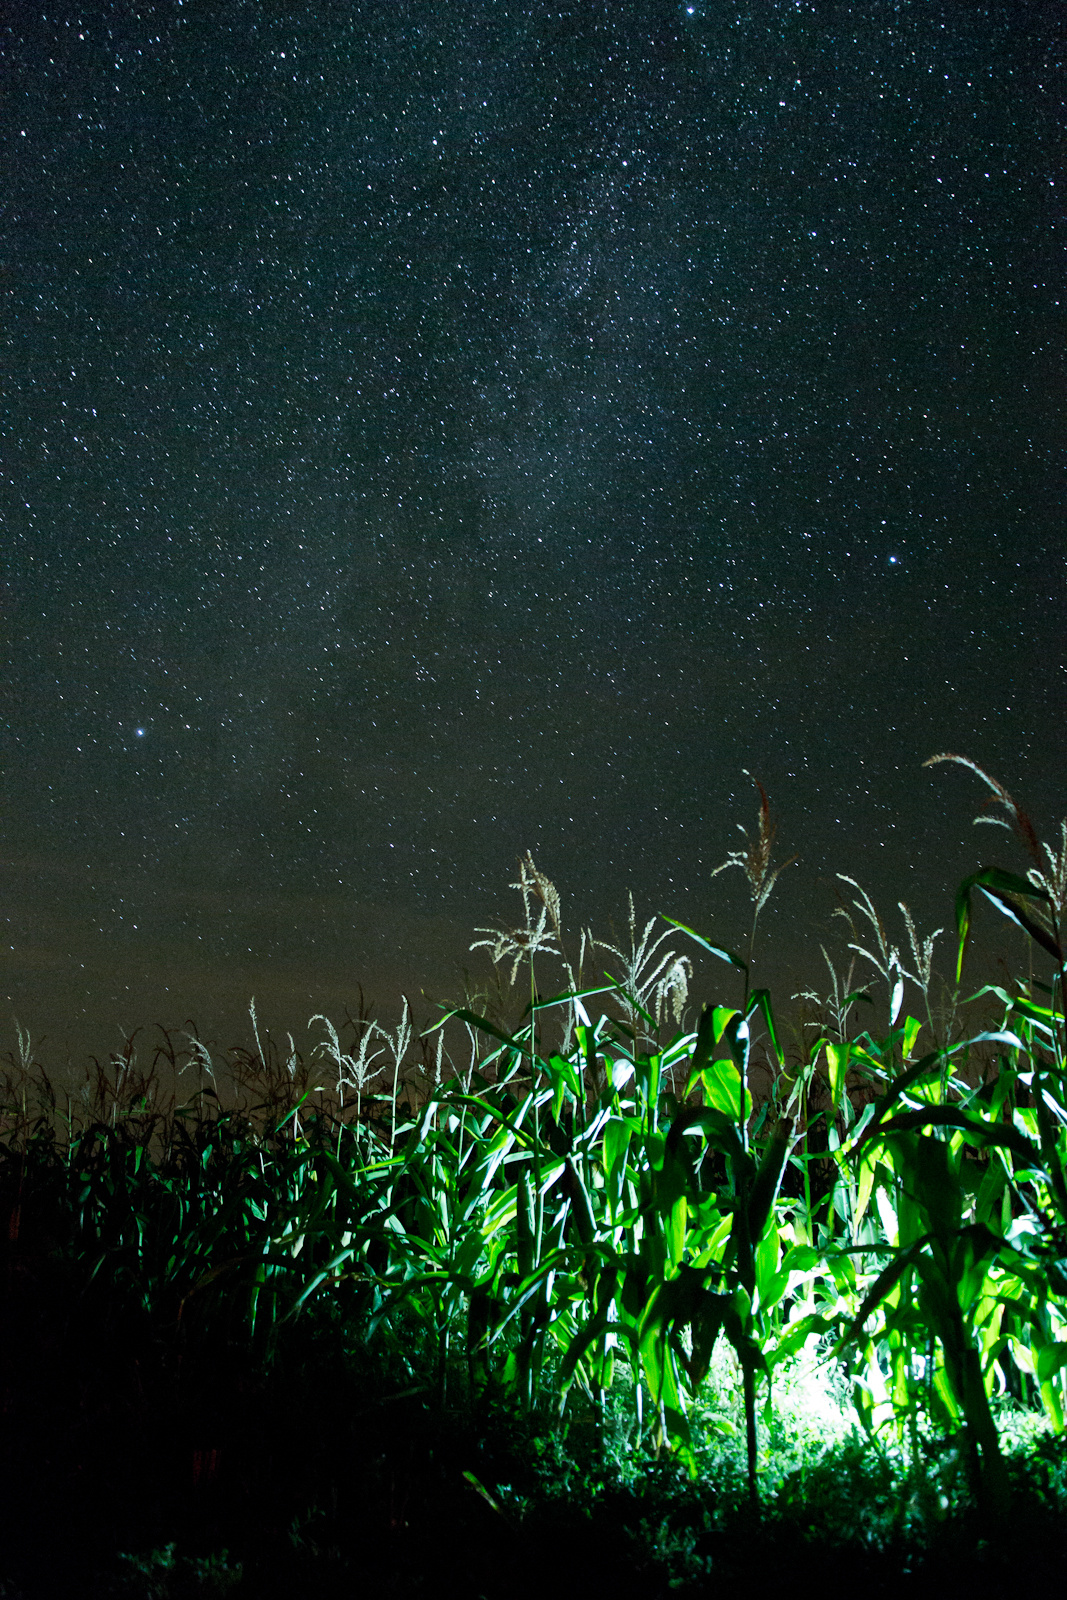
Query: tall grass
x=570, y=1191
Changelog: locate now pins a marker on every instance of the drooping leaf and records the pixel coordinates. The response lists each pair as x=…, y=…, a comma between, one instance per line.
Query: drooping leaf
x=1016, y=897
x=760, y=1000
x=706, y=944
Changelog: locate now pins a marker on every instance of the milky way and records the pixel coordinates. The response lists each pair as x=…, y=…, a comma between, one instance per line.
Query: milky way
x=437, y=431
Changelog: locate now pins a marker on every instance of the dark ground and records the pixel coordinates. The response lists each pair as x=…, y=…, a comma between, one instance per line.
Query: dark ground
x=135, y=1461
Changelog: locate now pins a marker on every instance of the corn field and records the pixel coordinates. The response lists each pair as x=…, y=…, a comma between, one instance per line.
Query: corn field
x=581, y=1207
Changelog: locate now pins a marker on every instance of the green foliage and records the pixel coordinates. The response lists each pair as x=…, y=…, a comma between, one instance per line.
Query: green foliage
x=591, y=1221
x=164, y=1575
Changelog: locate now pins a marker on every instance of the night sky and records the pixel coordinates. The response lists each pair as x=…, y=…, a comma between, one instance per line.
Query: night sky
x=433, y=431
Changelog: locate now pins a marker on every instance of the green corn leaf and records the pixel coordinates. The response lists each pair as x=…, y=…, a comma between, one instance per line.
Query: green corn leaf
x=704, y=1045
x=768, y=1177
x=991, y=1191
x=578, y=1194
x=732, y=1028
x=512, y=1120
x=1049, y=1359
x=579, y=1344
x=760, y=1000
x=912, y=1027
x=1044, y=1017
x=837, y=1058
x=865, y=1176
x=632, y=1000
x=706, y=944
x=1052, y=1400
x=524, y=1223
x=675, y=1229
x=484, y=1026
x=797, y=1334
x=647, y=1073
x=767, y=1251
x=711, y=1247
x=530, y=1286
x=772, y=1291
x=614, y=1145
x=713, y=1019
x=502, y=1209
x=331, y=1268
x=717, y=1126
x=901, y=1084
x=565, y=1078
x=1002, y=1134
x=479, y=1488
x=722, y=1086
x=886, y=1280
x=1010, y=894
x=566, y=997
x=937, y=1184
x=987, y=1258
x=674, y=1299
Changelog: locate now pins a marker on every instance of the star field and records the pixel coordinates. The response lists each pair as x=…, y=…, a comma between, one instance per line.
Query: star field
x=435, y=432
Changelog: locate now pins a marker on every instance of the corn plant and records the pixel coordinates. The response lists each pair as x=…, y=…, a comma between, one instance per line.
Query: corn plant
x=596, y=1188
